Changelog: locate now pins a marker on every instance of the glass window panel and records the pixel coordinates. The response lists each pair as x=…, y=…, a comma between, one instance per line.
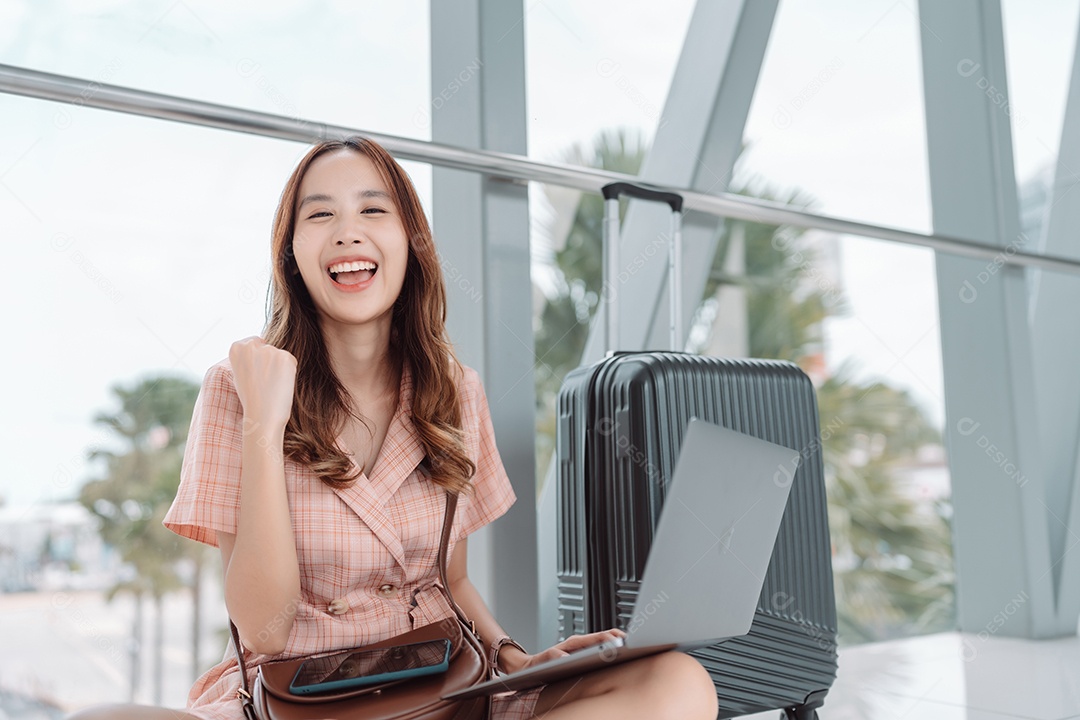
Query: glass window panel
x=332, y=62
x=838, y=111
x=597, y=66
x=1039, y=43
x=882, y=413
x=889, y=331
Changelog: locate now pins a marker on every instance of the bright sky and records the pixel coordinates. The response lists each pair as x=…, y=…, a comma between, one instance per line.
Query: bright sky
x=136, y=246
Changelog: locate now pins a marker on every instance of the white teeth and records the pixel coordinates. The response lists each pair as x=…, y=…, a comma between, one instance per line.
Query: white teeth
x=352, y=266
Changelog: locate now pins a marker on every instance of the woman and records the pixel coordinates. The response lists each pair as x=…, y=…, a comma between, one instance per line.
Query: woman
x=318, y=459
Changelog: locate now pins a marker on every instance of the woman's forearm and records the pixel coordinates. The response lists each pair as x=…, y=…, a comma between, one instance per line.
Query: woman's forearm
x=262, y=581
x=472, y=604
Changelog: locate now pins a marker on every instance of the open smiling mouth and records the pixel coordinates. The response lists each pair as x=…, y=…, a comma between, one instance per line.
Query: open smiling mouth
x=352, y=273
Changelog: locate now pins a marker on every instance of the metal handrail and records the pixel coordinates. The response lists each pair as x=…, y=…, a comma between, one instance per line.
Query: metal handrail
x=76, y=91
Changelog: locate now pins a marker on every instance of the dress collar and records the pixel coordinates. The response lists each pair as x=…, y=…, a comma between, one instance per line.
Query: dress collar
x=400, y=454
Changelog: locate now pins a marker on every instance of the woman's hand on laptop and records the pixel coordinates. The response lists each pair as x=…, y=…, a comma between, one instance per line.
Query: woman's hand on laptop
x=511, y=659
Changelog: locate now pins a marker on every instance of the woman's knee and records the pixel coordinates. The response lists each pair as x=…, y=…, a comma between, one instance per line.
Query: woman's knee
x=99, y=712
x=669, y=685
x=130, y=712
x=680, y=686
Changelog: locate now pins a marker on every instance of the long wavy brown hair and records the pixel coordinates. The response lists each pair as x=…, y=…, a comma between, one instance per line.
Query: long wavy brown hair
x=417, y=337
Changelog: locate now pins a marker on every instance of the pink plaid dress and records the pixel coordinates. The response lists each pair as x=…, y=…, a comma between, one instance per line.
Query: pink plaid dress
x=371, y=546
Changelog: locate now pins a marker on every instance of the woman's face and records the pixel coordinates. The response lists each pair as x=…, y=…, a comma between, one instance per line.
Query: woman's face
x=349, y=242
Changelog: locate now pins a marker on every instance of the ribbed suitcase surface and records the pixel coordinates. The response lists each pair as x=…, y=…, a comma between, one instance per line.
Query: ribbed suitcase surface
x=620, y=426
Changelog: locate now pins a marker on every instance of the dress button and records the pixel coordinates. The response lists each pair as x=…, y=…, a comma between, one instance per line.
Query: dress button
x=339, y=606
x=387, y=590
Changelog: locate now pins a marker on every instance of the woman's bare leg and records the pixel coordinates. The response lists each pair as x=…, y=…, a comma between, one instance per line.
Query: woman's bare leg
x=130, y=712
x=669, y=685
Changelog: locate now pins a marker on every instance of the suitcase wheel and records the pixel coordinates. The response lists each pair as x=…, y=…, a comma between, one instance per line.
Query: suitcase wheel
x=799, y=713
x=808, y=709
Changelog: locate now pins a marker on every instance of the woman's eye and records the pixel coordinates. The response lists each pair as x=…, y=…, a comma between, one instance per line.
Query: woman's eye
x=373, y=210
x=321, y=213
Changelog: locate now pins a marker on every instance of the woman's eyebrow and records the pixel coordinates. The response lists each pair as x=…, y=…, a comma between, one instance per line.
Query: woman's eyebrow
x=316, y=197
x=323, y=197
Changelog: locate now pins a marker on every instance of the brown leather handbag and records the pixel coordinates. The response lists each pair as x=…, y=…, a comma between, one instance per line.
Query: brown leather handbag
x=413, y=699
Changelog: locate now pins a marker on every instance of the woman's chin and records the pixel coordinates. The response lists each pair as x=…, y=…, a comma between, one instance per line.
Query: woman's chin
x=356, y=318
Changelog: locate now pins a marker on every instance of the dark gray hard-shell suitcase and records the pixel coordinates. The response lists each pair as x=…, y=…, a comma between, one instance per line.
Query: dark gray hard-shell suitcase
x=620, y=426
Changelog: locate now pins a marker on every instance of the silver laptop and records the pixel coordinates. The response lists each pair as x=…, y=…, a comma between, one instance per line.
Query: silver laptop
x=708, y=560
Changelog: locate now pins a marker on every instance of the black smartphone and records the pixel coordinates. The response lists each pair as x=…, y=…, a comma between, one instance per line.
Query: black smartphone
x=356, y=668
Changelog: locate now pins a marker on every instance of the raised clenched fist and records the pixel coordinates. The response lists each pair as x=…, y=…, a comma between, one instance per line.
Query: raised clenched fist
x=265, y=379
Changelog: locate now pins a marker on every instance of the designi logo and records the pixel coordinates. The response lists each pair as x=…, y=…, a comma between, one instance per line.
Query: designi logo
x=725, y=540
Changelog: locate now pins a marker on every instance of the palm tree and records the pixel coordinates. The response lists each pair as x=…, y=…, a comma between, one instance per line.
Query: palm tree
x=896, y=578
x=894, y=563
x=130, y=501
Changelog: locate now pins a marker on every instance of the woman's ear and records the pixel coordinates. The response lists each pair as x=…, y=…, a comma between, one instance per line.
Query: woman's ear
x=290, y=261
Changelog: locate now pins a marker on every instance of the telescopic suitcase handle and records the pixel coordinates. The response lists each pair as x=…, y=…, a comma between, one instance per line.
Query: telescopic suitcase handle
x=611, y=192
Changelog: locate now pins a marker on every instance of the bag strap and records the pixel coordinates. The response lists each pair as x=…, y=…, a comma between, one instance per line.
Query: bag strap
x=243, y=693
x=443, y=560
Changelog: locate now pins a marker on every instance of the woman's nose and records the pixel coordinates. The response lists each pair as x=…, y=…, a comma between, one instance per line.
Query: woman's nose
x=350, y=234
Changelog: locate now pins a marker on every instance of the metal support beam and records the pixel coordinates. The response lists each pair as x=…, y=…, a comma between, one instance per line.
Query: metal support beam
x=1004, y=564
x=482, y=232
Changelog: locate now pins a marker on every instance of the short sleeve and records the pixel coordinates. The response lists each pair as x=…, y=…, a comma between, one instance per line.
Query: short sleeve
x=208, y=499
x=491, y=495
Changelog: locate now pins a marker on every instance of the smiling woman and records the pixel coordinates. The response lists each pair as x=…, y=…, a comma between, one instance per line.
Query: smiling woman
x=321, y=457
